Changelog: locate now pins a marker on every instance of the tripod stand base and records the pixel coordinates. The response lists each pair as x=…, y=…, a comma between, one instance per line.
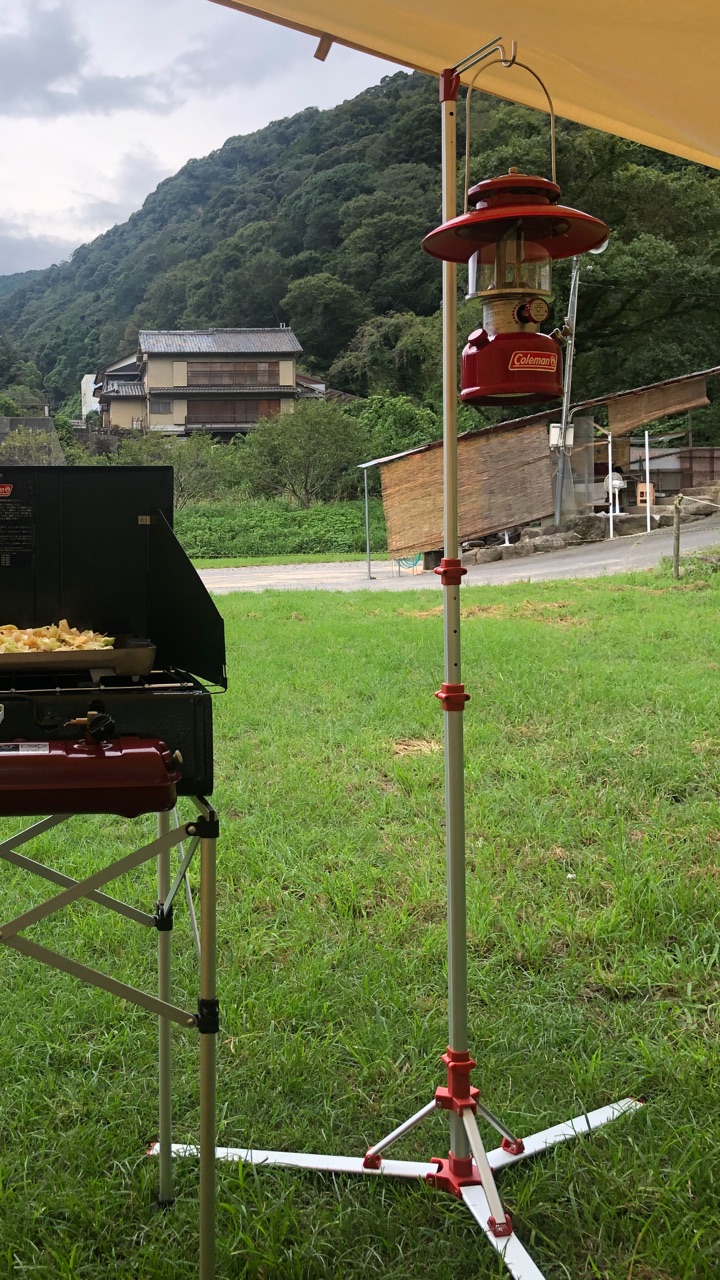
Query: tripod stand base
x=516, y=1259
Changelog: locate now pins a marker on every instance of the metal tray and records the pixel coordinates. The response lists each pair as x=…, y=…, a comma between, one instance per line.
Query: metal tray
x=128, y=657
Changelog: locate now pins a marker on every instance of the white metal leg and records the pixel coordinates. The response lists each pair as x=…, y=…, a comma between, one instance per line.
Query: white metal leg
x=208, y=1039
x=165, y=1178
x=402, y=1129
x=306, y=1160
x=537, y=1143
x=514, y=1254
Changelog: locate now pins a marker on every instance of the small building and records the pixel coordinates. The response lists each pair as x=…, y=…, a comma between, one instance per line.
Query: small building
x=220, y=381
x=88, y=400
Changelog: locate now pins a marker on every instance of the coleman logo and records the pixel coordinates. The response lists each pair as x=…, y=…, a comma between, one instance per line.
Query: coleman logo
x=532, y=360
x=5, y=490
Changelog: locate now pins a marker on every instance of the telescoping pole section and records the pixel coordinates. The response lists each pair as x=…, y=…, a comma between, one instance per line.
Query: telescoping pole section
x=164, y=928
x=208, y=1025
x=452, y=695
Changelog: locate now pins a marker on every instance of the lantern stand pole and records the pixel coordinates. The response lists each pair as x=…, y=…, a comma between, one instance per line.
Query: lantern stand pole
x=208, y=1022
x=164, y=933
x=647, y=480
x=468, y=1172
x=571, y=323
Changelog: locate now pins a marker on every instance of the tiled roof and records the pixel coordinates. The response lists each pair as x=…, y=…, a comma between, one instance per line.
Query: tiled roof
x=252, y=393
x=269, y=342
x=127, y=387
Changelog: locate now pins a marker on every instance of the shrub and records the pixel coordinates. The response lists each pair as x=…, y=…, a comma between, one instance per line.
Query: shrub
x=266, y=527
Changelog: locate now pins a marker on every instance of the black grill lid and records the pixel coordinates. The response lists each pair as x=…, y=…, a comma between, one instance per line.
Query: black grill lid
x=95, y=545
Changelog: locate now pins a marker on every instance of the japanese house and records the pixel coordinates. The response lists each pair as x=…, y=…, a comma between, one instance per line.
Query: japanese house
x=221, y=381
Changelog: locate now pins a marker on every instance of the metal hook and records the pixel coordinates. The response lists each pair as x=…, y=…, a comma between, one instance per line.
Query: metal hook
x=507, y=63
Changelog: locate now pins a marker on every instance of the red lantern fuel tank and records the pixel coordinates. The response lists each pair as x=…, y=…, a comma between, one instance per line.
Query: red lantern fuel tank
x=126, y=776
x=509, y=239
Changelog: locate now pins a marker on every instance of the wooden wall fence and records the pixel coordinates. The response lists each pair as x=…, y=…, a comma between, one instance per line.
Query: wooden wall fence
x=504, y=479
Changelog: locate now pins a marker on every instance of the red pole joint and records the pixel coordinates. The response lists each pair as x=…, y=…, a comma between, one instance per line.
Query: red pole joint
x=450, y=571
x=449, y=85
x=500, y=1229
x=459, y=1095
x=515, y=1148
x=453, y=1174
x=373, y=1160
x=453, y=697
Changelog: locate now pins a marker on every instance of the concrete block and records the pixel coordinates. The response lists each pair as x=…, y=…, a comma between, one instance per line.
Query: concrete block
x=556, y=541
x=625, y=525
x=699, y=508
x=588, y=528
x=518, y=550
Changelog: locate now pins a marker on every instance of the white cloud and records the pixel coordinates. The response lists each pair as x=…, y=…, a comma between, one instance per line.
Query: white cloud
x=22, y=252
x=103, y=98
x=137, y=173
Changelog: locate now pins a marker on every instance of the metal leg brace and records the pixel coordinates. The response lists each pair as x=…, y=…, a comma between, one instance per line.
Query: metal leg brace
x=202, y=832
x=479, y=1192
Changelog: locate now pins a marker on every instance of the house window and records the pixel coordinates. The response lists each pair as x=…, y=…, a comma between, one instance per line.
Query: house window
x=158, y=405
x=233, y=373
x=230, y=412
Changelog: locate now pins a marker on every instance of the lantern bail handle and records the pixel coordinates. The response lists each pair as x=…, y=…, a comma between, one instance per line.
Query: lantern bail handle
x=507, y=63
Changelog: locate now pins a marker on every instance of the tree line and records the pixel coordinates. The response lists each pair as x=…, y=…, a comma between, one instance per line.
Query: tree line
x=316, y=221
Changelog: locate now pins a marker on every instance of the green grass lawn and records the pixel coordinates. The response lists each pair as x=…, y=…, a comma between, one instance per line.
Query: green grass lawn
x=249, y=562
x=593, y=830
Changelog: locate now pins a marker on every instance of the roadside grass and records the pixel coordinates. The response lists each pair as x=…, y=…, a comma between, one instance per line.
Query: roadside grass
x=249, y=562
x=593, y=832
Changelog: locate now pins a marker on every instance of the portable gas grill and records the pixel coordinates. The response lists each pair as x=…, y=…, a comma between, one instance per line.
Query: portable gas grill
x=123, y=730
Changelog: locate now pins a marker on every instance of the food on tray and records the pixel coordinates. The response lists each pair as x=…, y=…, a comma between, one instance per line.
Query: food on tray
x=50, y=639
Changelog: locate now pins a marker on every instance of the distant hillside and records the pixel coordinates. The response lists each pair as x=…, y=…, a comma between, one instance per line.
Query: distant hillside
x=8, y=284
x=316, y=220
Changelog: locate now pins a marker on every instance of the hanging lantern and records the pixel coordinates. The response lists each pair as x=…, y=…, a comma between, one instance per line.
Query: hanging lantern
x=511, y=234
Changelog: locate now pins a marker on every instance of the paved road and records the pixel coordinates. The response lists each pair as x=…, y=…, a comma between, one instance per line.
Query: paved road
x=589, y=561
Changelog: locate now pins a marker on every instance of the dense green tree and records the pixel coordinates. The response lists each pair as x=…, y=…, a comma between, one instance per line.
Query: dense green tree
x=27, y=448
x=395, y=352
x=9, y=408
x=326, y=312
x=202, y=468
x=391, y=424
x=308, y=455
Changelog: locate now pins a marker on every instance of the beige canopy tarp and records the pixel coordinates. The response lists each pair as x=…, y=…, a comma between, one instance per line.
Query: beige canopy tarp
x=643, y=69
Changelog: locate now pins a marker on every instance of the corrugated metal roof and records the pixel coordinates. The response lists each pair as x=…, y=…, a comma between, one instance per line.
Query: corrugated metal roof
x=275, y=342
x=549, y=414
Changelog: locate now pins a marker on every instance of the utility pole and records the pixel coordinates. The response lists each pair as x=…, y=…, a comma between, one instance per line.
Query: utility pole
x=570, y=323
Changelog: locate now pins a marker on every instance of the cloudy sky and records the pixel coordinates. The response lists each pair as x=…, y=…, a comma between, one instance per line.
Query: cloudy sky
x=101, y=99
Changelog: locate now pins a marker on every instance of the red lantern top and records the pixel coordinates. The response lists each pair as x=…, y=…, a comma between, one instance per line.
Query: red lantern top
x=520, y=201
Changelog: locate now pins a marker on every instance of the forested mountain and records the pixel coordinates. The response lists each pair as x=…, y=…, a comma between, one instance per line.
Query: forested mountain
x=316, y=220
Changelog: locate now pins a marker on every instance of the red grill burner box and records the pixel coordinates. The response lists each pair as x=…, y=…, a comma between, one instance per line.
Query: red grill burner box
x=128, y=776
x=95, y=545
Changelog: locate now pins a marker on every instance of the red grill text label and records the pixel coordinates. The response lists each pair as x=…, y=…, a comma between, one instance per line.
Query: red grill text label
x=5, y=490
x=532, y=361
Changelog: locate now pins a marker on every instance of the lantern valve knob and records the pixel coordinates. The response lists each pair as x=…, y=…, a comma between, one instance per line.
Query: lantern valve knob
x=534, y=311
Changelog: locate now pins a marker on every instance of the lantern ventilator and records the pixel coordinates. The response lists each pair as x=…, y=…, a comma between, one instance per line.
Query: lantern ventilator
x=514, y=231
